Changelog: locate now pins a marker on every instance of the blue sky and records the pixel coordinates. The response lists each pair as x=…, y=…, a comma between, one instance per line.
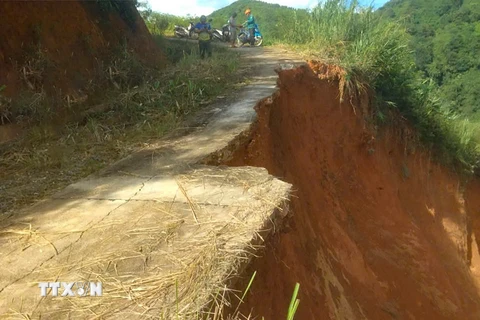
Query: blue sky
x=198, y=7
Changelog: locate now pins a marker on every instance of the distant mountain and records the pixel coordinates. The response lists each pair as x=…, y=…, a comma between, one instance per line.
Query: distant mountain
x=446, y=40
x=273, y=19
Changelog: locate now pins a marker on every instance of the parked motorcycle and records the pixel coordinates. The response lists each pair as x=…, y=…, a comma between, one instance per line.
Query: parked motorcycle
x=183, y=32
x=217, y=35
x=244, y=36
x=226, y=32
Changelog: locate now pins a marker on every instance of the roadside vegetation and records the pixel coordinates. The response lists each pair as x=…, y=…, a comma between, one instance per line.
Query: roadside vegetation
x=164, y=24
x=445, y=37
x=228, y=308
x=132, y=114
x=375, y=54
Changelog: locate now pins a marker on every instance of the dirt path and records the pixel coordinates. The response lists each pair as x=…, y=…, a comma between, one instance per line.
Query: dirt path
x=155, y=214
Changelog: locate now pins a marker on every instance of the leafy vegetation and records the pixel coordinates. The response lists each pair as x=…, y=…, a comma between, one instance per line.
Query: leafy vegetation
x=163, y=24
x=292, y=308
x=125, y=8
x=375, y=53
x=445, y=37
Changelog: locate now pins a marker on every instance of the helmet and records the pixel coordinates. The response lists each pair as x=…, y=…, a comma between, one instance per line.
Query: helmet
x=247, y=11
x=203, y=19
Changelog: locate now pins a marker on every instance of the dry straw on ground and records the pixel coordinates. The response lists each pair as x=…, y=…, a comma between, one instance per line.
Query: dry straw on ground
x=171, y=259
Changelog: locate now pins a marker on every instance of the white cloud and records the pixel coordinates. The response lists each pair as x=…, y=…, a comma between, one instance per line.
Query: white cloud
x=193, y=7
x=294, y=3
x=180, y=7
x=184, y=7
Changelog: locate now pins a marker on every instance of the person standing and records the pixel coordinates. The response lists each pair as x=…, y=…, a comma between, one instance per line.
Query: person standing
x=204, y=31
x=232, y=23
x=250, y=26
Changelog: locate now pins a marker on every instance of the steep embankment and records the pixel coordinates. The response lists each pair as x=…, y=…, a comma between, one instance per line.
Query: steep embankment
x=378, y=230
x=61, y=47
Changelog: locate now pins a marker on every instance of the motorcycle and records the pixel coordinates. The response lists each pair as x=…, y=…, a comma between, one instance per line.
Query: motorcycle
x=183, y=32
x=226, y=32
x=244, y=36
x=217, y=35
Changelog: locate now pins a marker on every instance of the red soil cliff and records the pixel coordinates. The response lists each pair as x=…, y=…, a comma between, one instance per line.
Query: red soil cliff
x=378, y=230
x=72, y=38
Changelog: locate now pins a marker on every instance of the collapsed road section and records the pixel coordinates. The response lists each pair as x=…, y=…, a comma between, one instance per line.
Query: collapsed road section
x=375, y=230
x=156, y=235
x=378, y=230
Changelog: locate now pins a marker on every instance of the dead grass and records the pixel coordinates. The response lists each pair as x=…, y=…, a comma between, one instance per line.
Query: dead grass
x=188, y=263
x=133, y=114
x=330, y=72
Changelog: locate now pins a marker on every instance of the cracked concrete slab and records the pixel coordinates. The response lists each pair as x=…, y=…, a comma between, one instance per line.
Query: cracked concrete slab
x=112, y=187
x=51, y=227
x=159, y=230
x=219, y=209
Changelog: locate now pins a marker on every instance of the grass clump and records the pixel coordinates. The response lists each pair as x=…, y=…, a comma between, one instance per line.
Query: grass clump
x=375, y=56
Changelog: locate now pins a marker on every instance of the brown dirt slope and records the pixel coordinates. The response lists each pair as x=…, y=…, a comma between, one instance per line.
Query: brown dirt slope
x=378, y=230
x=61, y=45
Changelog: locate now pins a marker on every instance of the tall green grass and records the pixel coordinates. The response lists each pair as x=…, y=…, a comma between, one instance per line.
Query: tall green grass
x=376, y=57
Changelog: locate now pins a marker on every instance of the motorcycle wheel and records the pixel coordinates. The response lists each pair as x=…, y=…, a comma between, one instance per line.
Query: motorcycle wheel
x=258, y=41
x=242, y=38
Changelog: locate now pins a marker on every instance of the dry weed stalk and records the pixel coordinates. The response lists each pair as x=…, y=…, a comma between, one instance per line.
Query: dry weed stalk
x=5, y=109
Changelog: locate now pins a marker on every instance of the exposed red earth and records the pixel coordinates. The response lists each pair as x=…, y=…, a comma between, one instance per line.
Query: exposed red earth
x=378, y=229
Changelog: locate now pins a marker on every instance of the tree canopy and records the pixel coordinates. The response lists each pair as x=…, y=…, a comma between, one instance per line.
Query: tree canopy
x=445, y=37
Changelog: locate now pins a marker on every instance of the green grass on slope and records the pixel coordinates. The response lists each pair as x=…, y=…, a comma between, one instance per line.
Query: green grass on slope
x=375, y=53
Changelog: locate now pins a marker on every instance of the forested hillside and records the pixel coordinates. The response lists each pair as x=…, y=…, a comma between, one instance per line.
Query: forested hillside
x=446, y=40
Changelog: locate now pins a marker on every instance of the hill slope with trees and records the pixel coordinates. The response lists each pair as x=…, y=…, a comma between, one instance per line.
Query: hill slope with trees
x=445, y=38
x=446, y=41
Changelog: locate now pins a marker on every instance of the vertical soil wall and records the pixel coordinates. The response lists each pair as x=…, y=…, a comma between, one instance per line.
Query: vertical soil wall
x=378, y=229
x=60, y=44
